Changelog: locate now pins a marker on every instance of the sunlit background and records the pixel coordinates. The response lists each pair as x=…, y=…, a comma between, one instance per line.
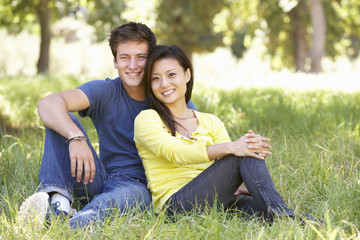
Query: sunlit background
x=74, y=52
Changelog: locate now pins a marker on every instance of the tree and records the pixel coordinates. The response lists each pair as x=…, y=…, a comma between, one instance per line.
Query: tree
x=189, y=24
x=43, y=14
x=19, y=15
x=28, y=14
x=298, y=34
x=297, y=30
x=318, y=35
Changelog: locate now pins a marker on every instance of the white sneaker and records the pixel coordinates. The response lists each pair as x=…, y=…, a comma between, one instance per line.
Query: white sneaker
x=34, y=210
x=72, y=212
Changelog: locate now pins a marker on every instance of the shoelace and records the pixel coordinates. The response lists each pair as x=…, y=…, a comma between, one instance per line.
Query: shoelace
x=54, y=210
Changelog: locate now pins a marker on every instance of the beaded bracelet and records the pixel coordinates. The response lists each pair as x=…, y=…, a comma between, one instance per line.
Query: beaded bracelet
x=77, y=138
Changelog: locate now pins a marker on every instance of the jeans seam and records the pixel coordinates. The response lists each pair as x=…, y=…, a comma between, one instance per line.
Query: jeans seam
x=269, y=201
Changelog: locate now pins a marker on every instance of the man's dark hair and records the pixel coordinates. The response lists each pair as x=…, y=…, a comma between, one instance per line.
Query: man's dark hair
x=131, y=32
x=163, y=52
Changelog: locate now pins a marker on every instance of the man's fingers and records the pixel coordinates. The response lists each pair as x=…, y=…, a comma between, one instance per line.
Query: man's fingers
x=79, y=170
x=86, y=172
x=89, y=170
x=82, y=160
x=92, y=170
x=73, y=167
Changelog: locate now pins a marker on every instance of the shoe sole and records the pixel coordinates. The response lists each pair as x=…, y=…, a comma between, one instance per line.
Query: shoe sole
x=34, y=209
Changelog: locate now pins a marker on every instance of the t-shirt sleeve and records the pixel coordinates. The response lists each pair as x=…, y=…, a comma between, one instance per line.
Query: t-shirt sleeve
x=151, y=134
x=191, y=105
x=99, y=93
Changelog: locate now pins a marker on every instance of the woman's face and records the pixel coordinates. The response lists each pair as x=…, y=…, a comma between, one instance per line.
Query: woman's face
x=168, y=81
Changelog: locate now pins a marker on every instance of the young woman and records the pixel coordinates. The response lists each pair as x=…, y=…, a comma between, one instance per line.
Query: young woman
x=188, y=156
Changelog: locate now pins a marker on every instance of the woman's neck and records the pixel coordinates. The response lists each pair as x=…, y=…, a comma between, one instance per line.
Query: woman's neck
x=186, y=120
x=180, y=111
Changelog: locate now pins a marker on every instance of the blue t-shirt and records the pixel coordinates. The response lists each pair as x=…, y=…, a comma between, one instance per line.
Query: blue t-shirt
x=113, y=112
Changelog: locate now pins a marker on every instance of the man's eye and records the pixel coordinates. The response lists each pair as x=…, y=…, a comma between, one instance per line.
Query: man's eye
x=122, y=58
x=141, y=57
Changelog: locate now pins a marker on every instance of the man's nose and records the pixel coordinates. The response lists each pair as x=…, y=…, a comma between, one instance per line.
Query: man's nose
x=132, y=63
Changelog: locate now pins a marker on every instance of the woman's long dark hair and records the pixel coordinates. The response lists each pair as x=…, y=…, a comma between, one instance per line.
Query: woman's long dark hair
x=158, y=53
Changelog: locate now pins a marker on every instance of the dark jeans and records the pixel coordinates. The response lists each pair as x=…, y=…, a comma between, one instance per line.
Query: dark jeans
x=106, y=194
x=218, y=183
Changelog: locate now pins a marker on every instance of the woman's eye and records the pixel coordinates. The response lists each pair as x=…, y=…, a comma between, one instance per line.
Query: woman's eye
x=172, y=74
x=155, y=78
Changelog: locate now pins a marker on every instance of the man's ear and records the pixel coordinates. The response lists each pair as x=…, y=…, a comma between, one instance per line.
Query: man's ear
x=187, y=75
x=115, y=63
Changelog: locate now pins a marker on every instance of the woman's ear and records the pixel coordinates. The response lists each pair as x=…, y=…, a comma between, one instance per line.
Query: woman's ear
x=187, y=75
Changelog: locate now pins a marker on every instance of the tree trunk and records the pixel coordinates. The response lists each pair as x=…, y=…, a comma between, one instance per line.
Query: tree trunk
x=43, y=12
x=319, y=34
x=298, y=35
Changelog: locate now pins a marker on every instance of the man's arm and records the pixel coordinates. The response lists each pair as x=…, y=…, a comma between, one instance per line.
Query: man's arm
x=54, y=113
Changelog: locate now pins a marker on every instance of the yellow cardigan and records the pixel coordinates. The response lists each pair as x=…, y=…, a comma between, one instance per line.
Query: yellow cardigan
x=171, y=162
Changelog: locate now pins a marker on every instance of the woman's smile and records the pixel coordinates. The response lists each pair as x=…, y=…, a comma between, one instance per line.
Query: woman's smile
x=169, y=92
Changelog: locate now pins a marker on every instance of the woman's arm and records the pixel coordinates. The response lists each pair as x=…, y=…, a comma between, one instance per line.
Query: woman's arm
x=151, y=134
x=154, y=137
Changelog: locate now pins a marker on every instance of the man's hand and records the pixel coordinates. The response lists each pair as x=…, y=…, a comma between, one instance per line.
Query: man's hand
x=82, y=160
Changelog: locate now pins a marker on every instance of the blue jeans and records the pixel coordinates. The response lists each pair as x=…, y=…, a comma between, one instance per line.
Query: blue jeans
x=105, y=195
x=218, y=183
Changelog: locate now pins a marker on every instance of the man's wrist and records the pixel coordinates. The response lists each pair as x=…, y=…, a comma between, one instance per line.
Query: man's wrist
x=76, y=138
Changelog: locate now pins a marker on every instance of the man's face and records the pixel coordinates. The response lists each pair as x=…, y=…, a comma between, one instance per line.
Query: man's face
x=130, y=62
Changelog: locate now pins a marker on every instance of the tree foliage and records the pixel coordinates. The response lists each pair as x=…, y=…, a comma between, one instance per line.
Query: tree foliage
x=17, y=15
x=281, y=22
x=345, y=28
x=189, y=24
x=39, y=15
x=104, y=15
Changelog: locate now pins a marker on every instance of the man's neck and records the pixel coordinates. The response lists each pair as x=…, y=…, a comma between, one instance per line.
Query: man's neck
x=136, y=93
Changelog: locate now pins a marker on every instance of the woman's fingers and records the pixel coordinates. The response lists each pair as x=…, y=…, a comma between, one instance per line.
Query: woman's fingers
x=256, y=147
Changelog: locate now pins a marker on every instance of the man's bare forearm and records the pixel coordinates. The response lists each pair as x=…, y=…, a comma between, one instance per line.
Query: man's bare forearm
x=54, y=112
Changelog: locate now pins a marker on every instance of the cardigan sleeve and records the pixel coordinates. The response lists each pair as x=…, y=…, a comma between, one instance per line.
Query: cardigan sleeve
x=152, y=135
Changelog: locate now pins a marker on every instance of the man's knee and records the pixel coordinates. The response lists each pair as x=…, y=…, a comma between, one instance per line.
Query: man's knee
x=74, y=118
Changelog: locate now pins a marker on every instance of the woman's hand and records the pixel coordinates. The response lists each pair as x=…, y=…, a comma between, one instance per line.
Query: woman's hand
x=251, y=145
x=242, y=191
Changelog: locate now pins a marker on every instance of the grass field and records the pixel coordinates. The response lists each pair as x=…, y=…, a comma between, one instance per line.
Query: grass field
x=315, y=150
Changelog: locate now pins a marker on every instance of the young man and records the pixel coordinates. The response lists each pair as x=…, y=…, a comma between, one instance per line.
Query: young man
x=115, y=181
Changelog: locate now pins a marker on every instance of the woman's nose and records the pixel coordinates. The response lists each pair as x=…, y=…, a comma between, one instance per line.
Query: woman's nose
x=164, y=82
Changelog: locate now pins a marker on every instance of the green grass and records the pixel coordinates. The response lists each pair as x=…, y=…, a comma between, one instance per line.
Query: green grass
x=315, y=144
